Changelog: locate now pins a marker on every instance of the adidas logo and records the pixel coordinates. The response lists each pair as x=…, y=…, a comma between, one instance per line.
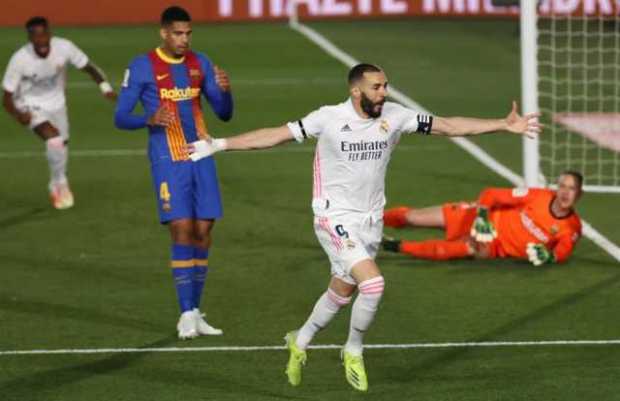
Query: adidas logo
x=346, y=128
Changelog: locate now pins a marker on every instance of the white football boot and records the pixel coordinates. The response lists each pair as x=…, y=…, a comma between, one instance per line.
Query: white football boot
x=202, y=327
x=186, y=326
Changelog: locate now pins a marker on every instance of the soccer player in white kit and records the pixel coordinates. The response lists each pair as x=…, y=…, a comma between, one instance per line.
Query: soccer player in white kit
x=355, y=141
x=34, y=94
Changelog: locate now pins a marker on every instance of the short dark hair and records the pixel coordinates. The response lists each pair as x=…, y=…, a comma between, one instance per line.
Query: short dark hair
x=174, y=14
x=577, y=176
x=36, y=21
x=357, y=73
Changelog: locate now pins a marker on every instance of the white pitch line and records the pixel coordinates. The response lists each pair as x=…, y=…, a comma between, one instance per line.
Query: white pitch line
x=471, y=148
x=317, y=347
x=241, y=81
x=28, y=154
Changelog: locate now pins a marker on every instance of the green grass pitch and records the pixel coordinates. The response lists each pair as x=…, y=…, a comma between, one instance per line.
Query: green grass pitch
x=96, y=276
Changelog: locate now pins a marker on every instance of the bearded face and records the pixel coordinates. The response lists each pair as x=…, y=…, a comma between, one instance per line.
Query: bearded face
x=373, y=109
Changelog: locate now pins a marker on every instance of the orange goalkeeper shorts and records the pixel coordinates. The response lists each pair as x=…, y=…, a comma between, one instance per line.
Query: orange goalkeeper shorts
x=458, y=218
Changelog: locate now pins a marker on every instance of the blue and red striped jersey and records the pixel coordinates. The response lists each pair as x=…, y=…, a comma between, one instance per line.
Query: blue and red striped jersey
x=155, y=79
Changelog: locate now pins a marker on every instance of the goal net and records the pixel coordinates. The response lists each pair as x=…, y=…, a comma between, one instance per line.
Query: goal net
x=578, y=68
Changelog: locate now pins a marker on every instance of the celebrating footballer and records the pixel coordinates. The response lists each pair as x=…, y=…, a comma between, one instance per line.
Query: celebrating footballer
x=355, y=140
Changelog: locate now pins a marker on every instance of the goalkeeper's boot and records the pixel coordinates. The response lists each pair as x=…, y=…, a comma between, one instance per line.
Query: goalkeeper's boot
x=390, y=244
x=202, y=327
x=186, y=327
x=396, y=217
x=296, y=361
x=355, y=371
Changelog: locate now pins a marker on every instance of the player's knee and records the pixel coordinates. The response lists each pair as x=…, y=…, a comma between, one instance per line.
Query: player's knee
x=372, y=287
x=181, y=232
x=55, y=143
x=203, y=240
x=339, y=300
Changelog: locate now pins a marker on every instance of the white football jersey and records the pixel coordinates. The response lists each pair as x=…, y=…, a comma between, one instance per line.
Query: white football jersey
x=352, y=154
x=40, y=82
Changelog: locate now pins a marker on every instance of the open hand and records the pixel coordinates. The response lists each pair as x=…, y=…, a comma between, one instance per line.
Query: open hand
x=204, y=148
x=163, y=117
x=221, y=78
x=112, y=96
x=23, y=117
x=525, y=125
x=482, y=229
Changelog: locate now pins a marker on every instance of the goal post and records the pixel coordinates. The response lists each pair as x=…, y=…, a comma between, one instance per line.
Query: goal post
x=529, y=85
x=570, y=60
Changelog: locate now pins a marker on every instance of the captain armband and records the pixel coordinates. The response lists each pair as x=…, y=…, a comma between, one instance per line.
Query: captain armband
x=425, y=124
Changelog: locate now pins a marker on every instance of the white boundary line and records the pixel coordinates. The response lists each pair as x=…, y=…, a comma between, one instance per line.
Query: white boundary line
x=30, y=154
x=471, y=148
x=317, y=347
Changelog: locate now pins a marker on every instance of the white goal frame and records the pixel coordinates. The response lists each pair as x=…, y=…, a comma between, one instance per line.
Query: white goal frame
x=532, y=172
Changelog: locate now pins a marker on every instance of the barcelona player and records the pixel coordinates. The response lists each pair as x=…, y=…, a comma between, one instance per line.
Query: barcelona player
x=170, y=82
x=539, y=225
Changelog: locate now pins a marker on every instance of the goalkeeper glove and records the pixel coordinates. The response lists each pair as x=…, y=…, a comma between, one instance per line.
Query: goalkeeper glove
x=538, y=254
x=205, y=148
x=482, y=230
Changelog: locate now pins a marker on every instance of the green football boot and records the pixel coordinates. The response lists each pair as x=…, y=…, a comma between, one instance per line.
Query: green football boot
x=296, y=360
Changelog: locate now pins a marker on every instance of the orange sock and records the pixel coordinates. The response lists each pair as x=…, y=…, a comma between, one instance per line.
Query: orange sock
x=396, y=217
x=435, y=249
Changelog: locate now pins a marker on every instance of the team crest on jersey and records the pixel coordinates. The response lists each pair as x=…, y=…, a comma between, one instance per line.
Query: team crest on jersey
x=554, y=229
x=194, y=73
x=350, y=244
x=385, y=127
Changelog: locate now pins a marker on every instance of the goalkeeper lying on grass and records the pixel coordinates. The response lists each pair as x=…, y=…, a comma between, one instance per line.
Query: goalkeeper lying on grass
x=539, y=225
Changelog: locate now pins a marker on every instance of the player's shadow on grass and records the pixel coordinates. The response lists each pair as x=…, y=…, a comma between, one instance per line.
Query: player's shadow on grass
x=25, y=216
x=493, y=335
x=39, y=308
x=37, y=386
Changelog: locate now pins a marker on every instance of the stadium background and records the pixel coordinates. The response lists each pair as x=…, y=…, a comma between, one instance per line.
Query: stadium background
x=95, y=277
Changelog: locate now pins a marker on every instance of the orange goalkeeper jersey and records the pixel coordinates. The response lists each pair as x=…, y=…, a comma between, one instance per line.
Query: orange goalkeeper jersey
x=521, y=216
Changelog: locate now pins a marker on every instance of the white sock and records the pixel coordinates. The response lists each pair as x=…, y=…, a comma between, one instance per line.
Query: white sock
x=324, y=311
x=363, y=313
x=57, y=153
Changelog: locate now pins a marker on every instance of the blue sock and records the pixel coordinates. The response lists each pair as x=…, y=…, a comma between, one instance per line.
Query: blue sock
x=182, y=270
x=200, y=273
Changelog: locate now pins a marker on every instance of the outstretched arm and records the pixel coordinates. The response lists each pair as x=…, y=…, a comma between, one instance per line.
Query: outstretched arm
x=498, y=197
x=98, y=76
x=259, y=139
x=461, y=126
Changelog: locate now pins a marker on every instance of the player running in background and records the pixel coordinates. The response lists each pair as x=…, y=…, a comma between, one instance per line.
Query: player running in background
x=355, y=141
x=34, y=94
x=536, y=224
x=169, y=82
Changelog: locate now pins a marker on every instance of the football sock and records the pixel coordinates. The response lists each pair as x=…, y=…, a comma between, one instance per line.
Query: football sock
x=363, y=312
x=435, y=249
x=199, y=275
x=182, y=271
x=57, y=155
x=324, y=311
x=396, y=217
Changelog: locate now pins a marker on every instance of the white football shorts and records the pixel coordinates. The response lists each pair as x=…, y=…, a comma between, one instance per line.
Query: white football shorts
x=58, y=118
x=347, y=240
